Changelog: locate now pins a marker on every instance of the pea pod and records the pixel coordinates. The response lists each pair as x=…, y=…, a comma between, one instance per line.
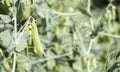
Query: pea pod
x=27, y=11
x=7, y=2
x=36, y=39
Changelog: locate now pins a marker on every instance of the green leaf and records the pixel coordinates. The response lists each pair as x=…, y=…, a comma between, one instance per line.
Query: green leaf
x=51, y=64
x=5, y=37
x=61, y=68
x=23, y=67
x=22, y=42
x=5, y=18
x=42, y=10
x=77, y=66
x=1, y=25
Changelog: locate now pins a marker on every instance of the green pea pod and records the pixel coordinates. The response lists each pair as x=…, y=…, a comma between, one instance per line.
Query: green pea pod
x=7, y=2
x=113, y=13
x=7, y=66
x=36, y=39
x=27, y=9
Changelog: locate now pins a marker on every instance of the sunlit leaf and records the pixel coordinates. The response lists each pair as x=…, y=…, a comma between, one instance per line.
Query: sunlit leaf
x=5, y=18
x=22, y=42
x=42, y=10
x=5, y=37
x=51, y=64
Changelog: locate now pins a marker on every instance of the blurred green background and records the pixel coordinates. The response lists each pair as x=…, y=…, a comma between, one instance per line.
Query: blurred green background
x=76, y=35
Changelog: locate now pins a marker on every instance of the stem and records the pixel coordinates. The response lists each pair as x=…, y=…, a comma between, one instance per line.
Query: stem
x=14, y=62
x=88, y=66
x=65, y=14
x=82, y=45
x=90, y=46
x=50, y=58
x=110, y=35
x=15, y=38
x=15, y=27
x=88, y=6
x=88, y=52
x=92, y=24
x=91, y=41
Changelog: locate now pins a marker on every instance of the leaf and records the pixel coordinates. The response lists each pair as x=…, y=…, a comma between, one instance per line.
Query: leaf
x=23, y=67
x=77, y=66
x=42, y=10
x=5, y=18
x=5, y=37
x=36, y=40
x=61, y=68
x=1, y=25
x=22, y=43
x=51, y=64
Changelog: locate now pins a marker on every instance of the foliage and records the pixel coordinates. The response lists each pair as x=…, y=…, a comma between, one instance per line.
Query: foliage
x=59, y=36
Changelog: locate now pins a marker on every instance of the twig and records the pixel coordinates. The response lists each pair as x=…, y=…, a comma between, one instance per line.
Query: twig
x=88, y=66
x=90, y=46
x=23, y=30
x=15, y=38
x=50, y=58
x=89, y=5
x=110, y=35
x=82, y=45
x=15, y=27
x=14, y=62
x=88, y=52
x=66, y=14
x=91, y=41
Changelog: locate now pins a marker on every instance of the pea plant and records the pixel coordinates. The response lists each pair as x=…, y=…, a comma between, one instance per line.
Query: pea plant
x=59, y=36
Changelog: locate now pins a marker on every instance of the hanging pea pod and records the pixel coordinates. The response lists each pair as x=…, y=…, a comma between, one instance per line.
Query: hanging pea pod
x=35, y=38
x=27, y=10
x=56, y=47
x=7, y=67
x=113, y=12
x=10, y=8
x=5, y=63
x=29, y=41
x=109, y=19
